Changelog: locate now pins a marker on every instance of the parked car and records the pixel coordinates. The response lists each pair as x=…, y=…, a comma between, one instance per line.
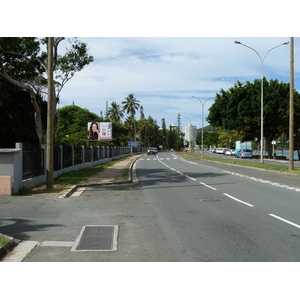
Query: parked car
x=244, y=153
x=236, y=151
x=152, y=150
x=220, y=150
x=229, y=152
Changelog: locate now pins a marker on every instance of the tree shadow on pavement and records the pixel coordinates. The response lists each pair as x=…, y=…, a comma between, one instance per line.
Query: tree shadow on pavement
x=17, y=228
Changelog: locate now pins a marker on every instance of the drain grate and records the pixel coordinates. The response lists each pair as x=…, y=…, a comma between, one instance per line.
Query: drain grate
x=97, y=238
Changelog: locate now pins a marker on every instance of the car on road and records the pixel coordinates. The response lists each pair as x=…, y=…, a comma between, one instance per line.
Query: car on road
x=244, y=153
x=152, y=150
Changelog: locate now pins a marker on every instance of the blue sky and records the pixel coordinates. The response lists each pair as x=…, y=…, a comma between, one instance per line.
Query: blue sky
x=165, y=52
x=165, y=72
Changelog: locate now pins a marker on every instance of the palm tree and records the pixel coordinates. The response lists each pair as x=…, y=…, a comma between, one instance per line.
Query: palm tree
x=115, y=112
x=131, y=105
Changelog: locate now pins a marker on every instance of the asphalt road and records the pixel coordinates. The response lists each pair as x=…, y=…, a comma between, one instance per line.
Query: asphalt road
x=195, y=211
x=213, y=212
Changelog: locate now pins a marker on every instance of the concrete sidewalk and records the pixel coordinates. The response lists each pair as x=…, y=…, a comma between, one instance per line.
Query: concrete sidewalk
x=121, y=171
x=114, y=174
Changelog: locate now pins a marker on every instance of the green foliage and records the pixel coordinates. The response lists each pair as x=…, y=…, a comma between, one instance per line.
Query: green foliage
x=174, y=141
x=16, y=54
x=131, y=105
x=23, y=64
x=239, y=109
x=72, y=125
x=115, y=112
x=209, y=138
x=148, y=132
x=163, y=133
x=15, y=125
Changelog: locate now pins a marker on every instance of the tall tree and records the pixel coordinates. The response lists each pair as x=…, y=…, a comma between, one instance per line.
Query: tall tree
x=142, y=113
x=163, y=133
x=149, y=132
x=239, y=109
x=115, y=112
x=15, y=125
x=24, y=64
x=131, y=105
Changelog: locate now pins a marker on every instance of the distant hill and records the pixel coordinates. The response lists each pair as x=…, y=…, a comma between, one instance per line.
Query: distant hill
x=208, y=128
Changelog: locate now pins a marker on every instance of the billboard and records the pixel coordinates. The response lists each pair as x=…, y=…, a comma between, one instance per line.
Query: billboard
x=99, y=131
x=133, y=144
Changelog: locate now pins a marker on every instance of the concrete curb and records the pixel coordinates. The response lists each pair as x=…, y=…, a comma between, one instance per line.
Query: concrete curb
x=69, y=191
x=13, y=242
x=132, y=176
x=19, y=249
x=132, y=170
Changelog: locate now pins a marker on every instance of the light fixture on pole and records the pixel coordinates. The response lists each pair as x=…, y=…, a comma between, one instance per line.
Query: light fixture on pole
x=262, y=95
x=202, y=103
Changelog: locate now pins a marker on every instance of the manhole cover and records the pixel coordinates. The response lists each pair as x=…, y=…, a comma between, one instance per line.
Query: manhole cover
x=97, y=238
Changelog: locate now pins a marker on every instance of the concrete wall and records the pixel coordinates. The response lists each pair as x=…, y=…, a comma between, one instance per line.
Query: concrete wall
x=11, y=165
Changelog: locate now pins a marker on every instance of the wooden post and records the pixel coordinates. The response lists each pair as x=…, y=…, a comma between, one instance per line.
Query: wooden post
x=50, y=115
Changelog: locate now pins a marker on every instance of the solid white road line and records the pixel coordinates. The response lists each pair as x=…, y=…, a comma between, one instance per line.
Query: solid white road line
x=208, y=186
x=190, y=177
x=284, y=220
x=238, y=200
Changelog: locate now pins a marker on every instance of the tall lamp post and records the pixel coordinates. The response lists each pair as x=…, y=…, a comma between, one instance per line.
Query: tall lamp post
x=202, y=103
x=262, y=95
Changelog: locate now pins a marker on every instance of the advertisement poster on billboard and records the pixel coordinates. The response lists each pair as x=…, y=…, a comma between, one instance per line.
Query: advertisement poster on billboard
x=133, y=144
x=99, y=131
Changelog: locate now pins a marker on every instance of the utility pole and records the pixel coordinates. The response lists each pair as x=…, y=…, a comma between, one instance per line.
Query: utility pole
x=291, y=125
x=50, y=115
x=179, y=125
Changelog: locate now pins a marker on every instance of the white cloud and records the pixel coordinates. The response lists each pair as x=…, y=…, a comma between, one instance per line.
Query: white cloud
x=163, y=73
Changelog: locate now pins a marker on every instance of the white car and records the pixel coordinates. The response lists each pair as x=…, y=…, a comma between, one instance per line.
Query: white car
x=152, y=150
x=229, y=152
x=220, y=150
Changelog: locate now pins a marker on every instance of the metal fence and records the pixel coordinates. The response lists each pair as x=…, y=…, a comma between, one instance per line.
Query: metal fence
x=34, y=157
x=33, y=161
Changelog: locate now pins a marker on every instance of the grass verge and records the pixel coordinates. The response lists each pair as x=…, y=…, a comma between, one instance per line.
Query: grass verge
x=5, y=245
x=66, y=180
x=241, y=162
x=4, y=241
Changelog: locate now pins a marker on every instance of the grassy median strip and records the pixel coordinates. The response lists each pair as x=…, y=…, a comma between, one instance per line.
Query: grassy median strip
x=241, y=162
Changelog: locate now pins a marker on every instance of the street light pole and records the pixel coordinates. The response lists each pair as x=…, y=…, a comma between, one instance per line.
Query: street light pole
x=291, y=123
x=262, y=95
x=202, y=103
